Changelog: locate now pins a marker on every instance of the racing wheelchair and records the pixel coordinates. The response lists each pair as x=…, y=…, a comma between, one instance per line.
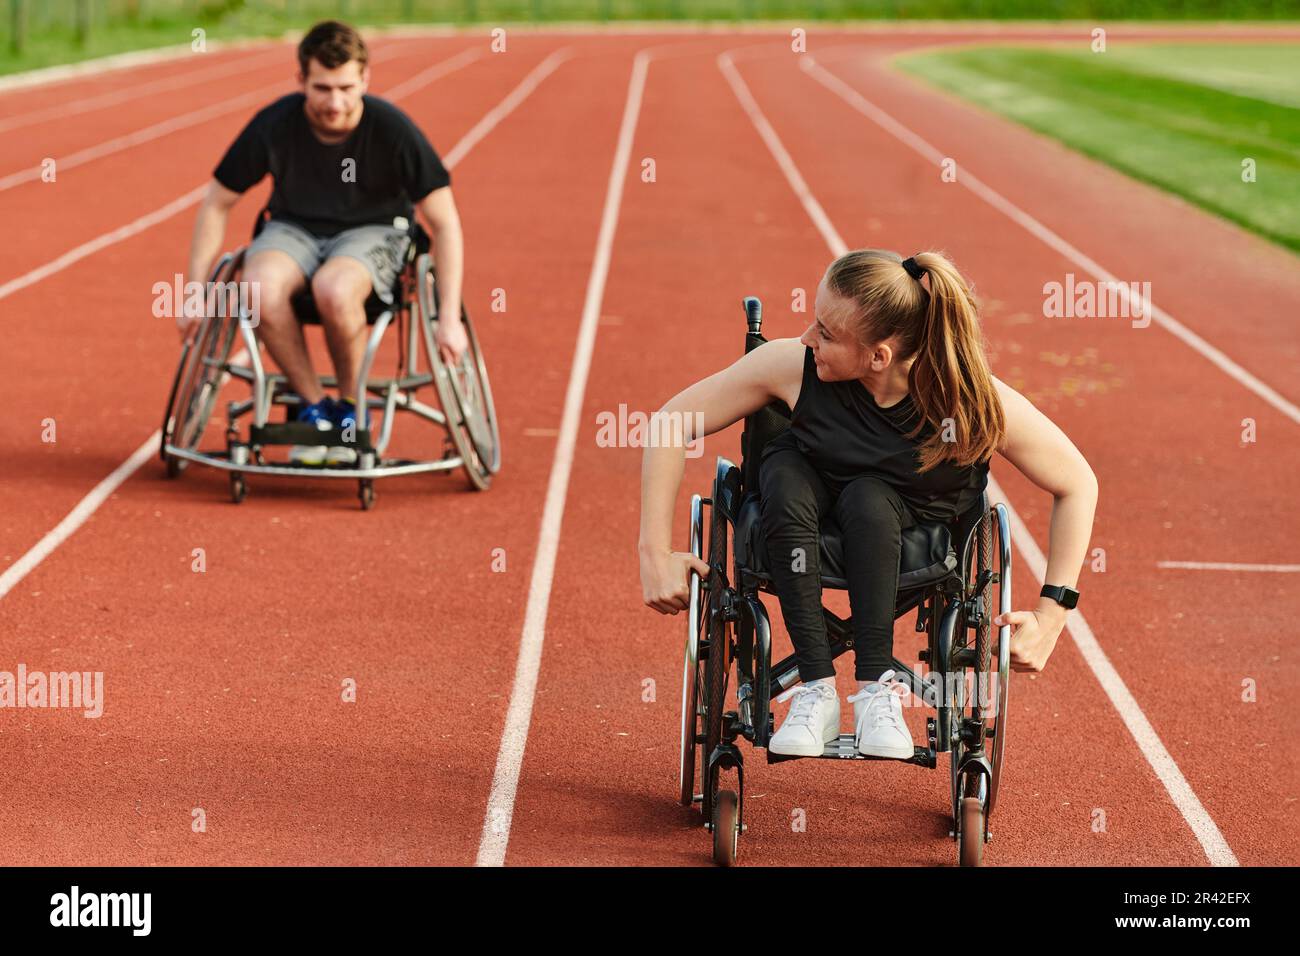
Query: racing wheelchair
x=472, y=440
x=729, y=637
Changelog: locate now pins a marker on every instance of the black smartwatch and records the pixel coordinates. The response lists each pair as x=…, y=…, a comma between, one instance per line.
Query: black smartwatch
x=1066, y=597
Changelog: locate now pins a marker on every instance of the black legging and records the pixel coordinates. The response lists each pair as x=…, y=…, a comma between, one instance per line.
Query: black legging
x=872, y=517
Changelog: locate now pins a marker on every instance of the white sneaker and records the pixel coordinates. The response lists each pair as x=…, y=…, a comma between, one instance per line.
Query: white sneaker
x=812, y=722
x=878, y=719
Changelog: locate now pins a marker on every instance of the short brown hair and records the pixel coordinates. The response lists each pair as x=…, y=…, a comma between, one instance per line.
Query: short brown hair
x=332, y=44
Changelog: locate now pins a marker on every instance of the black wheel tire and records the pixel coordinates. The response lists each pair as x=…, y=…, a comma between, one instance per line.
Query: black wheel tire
x=726, y=828
x=366, y=492
x=238, y=488
x=718, y=665
x=972, y=832
x=173, y=466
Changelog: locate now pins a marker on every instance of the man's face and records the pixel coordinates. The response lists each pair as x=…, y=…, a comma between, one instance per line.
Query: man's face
x=334, y=96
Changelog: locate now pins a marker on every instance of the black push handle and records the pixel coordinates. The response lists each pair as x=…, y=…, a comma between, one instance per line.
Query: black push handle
x=754, y=314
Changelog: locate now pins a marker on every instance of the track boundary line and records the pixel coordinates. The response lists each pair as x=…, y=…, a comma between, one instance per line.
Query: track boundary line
x=1144, y=735
x=499, y=812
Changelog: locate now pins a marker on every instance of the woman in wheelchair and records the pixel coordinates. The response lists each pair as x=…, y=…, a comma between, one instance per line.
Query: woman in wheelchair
x=896, y=416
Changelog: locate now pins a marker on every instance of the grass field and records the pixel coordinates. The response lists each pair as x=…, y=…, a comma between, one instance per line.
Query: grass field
x=1181, y=116
x=36, y=33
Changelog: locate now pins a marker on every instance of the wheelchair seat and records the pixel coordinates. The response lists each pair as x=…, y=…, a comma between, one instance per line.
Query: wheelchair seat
x=927, y=556
x=304, y=306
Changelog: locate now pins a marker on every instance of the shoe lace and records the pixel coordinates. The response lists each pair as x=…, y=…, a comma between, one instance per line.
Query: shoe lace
x=880, y=702
x=806, y=697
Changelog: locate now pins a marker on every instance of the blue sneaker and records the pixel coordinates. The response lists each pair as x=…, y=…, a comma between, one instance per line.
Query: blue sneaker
x=317, y=414
x=344, y=415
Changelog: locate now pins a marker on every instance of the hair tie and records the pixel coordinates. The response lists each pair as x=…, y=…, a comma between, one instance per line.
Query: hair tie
x=913, y=269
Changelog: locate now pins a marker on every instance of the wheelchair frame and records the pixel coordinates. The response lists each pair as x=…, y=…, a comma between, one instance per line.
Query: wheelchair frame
x=467, y=412
x=728, y=624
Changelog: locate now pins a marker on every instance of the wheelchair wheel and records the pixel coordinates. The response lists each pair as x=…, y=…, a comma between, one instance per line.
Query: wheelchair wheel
x=971, y=832
x=463, y=389
x=717, y=666
x=198, y=378
x=726, y=828
x=692, y=676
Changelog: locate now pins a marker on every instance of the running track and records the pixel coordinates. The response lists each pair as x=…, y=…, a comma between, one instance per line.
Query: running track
x=500, y=716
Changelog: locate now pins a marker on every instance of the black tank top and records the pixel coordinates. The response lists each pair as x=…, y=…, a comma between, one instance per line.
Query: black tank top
x=845, y=435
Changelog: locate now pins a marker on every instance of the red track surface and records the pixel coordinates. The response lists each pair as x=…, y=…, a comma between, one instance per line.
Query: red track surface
x=223, y=688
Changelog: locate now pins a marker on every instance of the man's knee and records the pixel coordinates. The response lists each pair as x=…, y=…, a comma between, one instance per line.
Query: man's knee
x=276, y=277
x=340, y=288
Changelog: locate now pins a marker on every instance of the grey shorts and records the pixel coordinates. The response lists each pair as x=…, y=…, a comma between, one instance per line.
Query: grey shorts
x=382, y=249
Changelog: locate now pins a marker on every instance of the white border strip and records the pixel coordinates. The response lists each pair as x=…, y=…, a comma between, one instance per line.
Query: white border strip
x=1166, y=769
x=1226, y=566
x=514, y=735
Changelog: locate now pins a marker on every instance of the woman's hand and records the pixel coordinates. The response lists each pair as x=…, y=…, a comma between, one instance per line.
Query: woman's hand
x=1034, y=639
x=665, y=579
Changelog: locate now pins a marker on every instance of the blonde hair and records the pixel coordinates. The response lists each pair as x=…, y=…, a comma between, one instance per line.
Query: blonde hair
x=950, y=377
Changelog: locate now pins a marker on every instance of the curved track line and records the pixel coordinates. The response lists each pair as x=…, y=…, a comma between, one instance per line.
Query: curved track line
x=1158, y=757
x=1050, y=238
x=64, y=110
x=514, y=736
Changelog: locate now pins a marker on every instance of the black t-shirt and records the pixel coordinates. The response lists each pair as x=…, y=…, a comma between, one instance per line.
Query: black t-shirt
x=845, y=435
x=316, y=187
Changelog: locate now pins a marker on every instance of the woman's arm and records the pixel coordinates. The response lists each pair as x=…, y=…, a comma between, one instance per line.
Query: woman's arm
x=708, y=406
x=1044, y=455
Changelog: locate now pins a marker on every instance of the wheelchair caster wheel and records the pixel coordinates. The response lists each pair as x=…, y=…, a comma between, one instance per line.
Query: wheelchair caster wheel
x=726, y=827
x=366, y=492
x=972, y=832
x=174, y=466
x=238, y=487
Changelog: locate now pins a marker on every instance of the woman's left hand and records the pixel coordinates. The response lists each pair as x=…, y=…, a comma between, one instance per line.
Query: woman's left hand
x=1034, y=638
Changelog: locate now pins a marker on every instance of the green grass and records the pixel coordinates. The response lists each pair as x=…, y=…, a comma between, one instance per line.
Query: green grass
x=120, y=25
x=1181, y=116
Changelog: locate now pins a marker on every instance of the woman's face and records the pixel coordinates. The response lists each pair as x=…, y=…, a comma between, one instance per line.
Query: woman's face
x=837, y=352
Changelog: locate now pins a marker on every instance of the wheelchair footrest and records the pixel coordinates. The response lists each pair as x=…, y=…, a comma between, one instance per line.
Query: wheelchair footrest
x=844, y=747
x=304, y=433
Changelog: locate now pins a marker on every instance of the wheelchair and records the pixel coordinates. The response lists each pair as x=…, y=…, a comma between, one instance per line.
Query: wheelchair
x=472, y=440
x=729, y=638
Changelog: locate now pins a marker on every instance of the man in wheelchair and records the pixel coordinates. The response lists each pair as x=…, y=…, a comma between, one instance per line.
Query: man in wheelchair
x=895, y=417
x=349, y=169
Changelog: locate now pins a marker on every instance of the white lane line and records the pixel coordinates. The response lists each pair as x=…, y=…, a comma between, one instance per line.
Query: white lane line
x=1227, y=566
x=1017, y=215
x=514, y=735
x=77, y=516
x=116, y=97
x=87, y=506
x=182, y=203
x=73, y=256
x=1161, y=761
x=186, y=120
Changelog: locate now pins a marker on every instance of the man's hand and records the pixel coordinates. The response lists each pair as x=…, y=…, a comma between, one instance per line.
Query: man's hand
x=451, y=340
x=665, y=579
x=1034, y=639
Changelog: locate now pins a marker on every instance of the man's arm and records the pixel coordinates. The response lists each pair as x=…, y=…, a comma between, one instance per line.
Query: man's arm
x=439, y=211
x=205, y=243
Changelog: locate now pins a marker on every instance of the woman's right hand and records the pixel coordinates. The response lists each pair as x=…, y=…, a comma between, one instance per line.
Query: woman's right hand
x=665, y=579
